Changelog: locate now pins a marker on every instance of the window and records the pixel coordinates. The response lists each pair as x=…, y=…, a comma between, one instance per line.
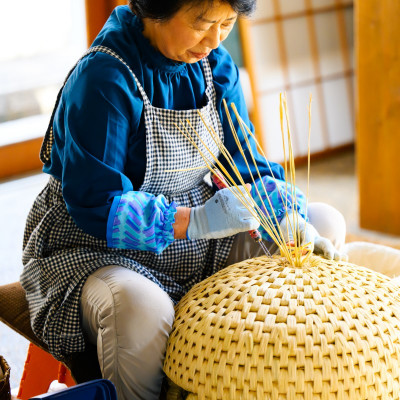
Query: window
x=41, y=41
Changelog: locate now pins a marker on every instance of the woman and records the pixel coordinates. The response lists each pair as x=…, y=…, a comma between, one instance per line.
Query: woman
x=127, y=224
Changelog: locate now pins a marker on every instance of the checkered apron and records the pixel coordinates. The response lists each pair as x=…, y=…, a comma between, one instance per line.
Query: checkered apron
x=58, y=256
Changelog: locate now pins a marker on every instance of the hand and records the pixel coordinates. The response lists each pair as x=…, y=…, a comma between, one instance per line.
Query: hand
x=273, y=197
x=222, y=215
x=308, y=234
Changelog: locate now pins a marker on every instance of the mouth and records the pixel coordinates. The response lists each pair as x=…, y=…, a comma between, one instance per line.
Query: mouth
x=199, y=55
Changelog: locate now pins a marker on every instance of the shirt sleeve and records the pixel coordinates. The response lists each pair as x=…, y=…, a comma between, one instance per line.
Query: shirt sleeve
x=141, y=221
x=228, y=87
x=100, y=110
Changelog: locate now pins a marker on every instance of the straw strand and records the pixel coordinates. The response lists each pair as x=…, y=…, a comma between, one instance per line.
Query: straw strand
x=292, y=251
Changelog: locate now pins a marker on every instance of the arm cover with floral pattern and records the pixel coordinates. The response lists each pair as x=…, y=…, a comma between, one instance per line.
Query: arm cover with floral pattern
x=276, y=192
x=141, y=221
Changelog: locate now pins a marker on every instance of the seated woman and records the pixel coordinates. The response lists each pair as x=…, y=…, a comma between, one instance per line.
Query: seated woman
x=126, y=224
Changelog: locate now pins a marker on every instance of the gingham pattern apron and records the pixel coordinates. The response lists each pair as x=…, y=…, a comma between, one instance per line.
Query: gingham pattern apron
x=58, y=256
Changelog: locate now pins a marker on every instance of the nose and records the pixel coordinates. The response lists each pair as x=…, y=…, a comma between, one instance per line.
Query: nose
x=213, y=38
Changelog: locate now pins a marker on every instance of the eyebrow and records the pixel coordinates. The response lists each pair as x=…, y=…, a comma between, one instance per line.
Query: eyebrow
x=213, y=22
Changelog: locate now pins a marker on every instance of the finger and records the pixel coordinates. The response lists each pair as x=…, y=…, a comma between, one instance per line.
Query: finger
x=329, y=253
x=325, y=247
x=337, y=256
x=341, y=256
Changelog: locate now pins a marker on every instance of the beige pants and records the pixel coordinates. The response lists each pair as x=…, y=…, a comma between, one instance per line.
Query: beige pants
x=129, y=317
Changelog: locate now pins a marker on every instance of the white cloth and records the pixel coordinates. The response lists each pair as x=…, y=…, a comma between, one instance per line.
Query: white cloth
x=383, y=259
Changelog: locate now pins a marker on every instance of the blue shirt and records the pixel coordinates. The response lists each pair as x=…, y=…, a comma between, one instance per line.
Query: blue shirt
x=100, y=139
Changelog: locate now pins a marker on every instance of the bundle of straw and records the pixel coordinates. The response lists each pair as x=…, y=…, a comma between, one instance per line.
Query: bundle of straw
x=294, y=326
x=294, y=251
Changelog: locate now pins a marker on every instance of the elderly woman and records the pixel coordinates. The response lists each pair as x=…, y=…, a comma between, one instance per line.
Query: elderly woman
x=127, y=223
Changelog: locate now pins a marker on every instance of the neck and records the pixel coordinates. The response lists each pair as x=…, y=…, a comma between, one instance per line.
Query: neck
x=150, y=31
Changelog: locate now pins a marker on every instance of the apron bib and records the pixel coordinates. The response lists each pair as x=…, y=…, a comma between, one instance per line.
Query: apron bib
x=58, y=256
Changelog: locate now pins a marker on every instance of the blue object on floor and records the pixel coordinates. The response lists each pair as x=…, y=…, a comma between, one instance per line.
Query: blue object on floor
x=99, y=389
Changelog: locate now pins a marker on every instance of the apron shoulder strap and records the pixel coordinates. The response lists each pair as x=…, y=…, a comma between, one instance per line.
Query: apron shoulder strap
x=48, y=140
x=207, y=72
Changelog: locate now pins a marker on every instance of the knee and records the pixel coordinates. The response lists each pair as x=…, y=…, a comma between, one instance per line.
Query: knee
x=329, y=222
x=130, y=305
x=142, y=308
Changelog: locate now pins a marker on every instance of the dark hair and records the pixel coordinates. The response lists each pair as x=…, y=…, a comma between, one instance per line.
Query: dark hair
x=163, y=10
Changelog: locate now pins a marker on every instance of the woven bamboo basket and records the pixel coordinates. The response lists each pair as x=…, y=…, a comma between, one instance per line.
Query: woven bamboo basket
x=262, y=329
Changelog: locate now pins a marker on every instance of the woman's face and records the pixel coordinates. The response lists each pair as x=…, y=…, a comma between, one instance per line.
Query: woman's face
x=192, y=32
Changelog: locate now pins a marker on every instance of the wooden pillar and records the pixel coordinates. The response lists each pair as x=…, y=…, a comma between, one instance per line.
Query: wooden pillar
x=19, y=158
x=378, y=113
x=248, y=62
x=97, y=12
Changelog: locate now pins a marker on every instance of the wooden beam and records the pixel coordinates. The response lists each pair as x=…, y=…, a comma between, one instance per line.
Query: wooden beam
x=378, y=113
x=248, y=62
x=19, y=158
x=97, y=12
x=307, y=12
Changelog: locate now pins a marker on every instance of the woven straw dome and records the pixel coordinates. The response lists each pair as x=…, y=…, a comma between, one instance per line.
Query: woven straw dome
x=262, y=329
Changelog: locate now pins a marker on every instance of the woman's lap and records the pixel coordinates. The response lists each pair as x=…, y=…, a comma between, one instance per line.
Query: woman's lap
x=129, y=318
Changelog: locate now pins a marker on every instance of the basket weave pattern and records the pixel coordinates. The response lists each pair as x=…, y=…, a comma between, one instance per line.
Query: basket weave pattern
x=262, y=329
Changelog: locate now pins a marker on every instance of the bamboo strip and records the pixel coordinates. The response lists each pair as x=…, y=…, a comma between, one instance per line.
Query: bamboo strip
x=293, y=251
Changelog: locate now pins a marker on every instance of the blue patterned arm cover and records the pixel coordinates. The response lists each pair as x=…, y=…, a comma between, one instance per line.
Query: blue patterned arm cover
x=141, y=221
x=276, y=190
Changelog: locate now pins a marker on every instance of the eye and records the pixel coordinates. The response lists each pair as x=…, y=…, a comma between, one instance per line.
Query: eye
x=227, y=25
